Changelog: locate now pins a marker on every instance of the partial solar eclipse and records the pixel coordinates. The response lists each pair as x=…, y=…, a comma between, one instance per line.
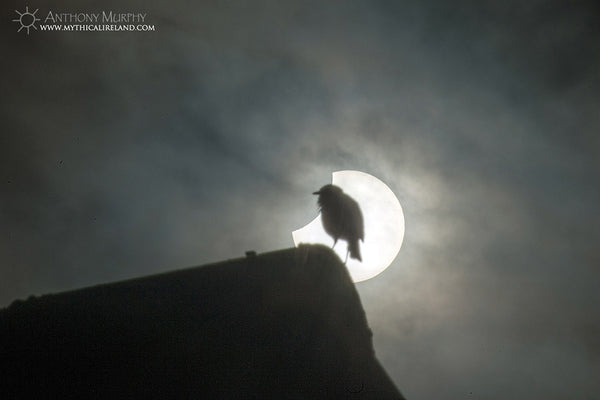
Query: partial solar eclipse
x=384, y=225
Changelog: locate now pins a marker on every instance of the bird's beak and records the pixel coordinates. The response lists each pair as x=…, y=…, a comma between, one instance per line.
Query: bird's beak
x=317, y=192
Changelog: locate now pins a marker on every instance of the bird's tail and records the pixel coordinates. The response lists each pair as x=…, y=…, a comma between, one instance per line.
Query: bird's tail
x=354, y=250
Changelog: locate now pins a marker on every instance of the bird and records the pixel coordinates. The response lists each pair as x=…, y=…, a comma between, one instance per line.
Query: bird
x=341, y=218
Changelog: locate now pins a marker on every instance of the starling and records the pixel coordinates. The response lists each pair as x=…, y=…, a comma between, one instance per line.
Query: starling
x=342, y=218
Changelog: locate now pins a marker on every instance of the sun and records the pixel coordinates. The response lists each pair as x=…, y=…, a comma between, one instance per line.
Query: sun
x=383, y=221
x=27, y=19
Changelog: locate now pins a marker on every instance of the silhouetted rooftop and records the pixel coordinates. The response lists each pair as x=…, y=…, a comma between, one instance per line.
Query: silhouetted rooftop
x=285, y=324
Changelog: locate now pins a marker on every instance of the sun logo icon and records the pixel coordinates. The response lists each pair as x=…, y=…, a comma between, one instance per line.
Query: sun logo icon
x=26, y=19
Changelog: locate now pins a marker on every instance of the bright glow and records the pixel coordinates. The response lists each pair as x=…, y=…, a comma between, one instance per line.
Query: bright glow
x=384, y=225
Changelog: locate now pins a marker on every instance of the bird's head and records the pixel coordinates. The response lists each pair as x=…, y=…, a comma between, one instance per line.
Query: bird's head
x=328, y=193
x=329, y=190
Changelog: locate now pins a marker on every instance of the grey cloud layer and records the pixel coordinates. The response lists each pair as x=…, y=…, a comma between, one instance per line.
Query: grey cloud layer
x=124, y=155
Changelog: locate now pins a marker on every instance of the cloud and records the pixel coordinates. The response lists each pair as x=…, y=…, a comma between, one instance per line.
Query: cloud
x=124, y=155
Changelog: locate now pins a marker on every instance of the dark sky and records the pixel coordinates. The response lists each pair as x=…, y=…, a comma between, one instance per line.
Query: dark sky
x=129, y=153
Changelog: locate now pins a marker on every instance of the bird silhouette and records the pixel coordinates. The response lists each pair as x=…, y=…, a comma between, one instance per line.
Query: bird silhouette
x=342, y=218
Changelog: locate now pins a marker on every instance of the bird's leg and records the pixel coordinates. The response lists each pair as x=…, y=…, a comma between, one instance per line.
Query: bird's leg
x=334, y=242
x=346, y=260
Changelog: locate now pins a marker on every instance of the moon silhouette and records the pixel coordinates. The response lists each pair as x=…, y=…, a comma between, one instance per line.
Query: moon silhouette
x=384, y=225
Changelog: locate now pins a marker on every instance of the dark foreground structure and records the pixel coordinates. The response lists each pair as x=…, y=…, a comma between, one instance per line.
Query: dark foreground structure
x=282, y=325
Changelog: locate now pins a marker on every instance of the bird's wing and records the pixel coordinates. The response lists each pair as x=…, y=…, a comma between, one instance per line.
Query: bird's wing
x=361, y=224
x=355, y=218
